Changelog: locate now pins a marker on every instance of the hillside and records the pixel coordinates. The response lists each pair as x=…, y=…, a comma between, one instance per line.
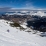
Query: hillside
x=15, y=37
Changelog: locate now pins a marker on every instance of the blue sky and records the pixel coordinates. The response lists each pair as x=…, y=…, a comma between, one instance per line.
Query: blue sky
x=24, y=4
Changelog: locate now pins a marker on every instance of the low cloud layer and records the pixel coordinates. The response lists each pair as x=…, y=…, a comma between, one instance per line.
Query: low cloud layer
x=26, y=6
x=9, y=9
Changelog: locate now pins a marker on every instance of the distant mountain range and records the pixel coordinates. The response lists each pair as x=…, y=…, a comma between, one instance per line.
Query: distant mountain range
x=32, y=12
x=25, y=12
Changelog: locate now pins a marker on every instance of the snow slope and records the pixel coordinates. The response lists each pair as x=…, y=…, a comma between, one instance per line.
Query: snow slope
x=15, y=37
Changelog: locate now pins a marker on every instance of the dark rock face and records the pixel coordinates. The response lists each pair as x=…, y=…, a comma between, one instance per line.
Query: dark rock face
x=38, y=24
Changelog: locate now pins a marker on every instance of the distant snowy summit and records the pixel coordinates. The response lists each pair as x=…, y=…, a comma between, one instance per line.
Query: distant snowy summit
x=18, y=13
x=38, y=13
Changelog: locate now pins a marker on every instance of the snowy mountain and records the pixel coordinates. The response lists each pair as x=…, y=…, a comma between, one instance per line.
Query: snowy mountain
x=19, y=13
x=32, y=12
x=15, y=37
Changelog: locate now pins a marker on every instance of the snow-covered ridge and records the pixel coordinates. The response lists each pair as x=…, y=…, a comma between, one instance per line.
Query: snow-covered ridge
x=40, y=13
x=15, y=37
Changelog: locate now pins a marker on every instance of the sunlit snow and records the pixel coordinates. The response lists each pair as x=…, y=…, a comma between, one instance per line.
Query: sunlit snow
x=15, y=37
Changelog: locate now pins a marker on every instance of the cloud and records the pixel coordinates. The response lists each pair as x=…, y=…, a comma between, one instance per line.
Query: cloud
x=4, y=9
x=29, y=5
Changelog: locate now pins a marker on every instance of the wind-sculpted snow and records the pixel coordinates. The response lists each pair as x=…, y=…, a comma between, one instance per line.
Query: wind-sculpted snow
x=15, y=37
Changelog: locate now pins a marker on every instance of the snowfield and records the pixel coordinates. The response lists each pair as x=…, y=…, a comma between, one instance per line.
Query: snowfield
x=15, y=37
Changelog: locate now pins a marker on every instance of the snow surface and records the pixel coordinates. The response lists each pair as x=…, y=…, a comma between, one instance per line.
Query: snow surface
x=15, y=37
